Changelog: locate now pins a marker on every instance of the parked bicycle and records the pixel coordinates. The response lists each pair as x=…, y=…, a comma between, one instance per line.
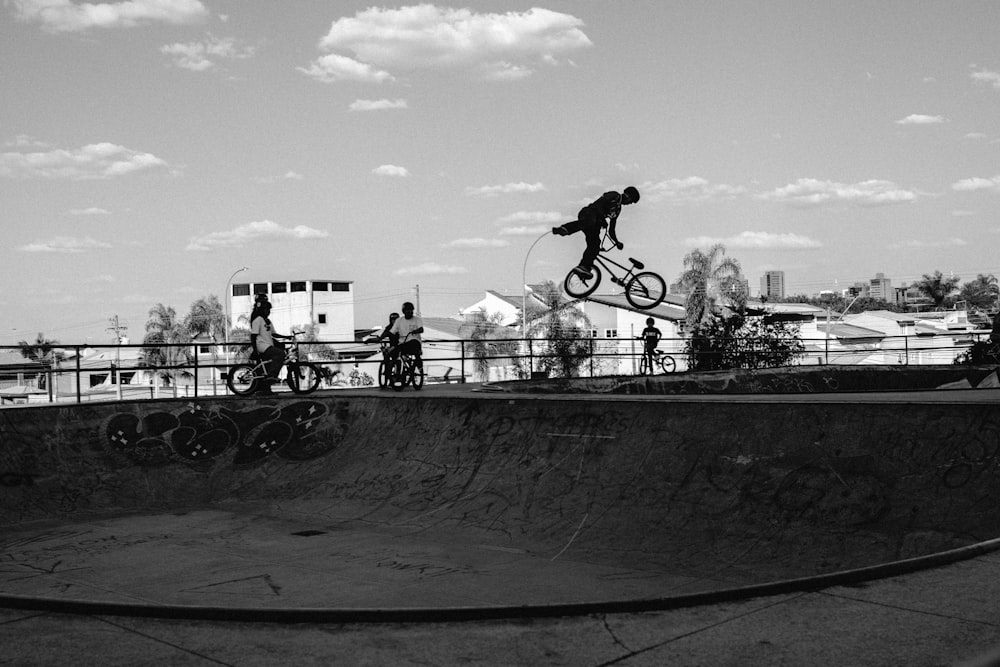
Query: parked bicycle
x=660, y=362
x=643, y=289
x=302, y=377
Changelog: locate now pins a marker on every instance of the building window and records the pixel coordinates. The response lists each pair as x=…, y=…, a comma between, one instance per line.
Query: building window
x=278, y=288
x=204, y=349
x=592, y=333
x=241, y=290
x=321, y=318
x=299, y=286
x=611, y=333
x=340, y=287
x=321, y=287
x=260, y=288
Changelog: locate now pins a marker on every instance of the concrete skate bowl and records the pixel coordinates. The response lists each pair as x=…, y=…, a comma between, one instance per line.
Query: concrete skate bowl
x=354, y=506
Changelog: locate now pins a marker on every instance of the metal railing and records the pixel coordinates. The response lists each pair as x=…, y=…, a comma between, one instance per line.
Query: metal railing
x=84, y=372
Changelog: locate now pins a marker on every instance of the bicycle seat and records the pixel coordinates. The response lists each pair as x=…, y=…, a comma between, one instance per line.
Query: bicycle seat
x=636, y=263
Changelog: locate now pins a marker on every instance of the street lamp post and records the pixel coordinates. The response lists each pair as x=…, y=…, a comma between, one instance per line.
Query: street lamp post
x=225, y=296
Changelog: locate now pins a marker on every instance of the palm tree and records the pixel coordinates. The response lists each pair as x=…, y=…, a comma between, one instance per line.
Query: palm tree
x=981, y=292
x=41, y=351
x=937, y=288
x=165, y=329
x=565, y=328
x=708, y=277
x=206, y=317
x=490, y=340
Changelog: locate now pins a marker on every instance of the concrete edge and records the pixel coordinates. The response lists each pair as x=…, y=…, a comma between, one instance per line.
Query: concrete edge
x=467, y=614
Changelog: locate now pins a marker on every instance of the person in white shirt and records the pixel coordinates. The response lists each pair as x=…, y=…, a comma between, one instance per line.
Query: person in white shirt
x=262, y=339
x=408, y=329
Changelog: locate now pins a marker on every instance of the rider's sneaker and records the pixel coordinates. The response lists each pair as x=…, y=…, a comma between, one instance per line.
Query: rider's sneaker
x=583, y=272
x=559, y=231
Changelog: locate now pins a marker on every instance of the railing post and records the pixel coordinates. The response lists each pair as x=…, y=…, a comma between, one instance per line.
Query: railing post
x=906, y=347
x=196, y=370
x=462, y=352
x=79, y=397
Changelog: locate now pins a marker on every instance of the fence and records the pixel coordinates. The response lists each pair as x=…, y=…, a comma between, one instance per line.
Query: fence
x=86, y=372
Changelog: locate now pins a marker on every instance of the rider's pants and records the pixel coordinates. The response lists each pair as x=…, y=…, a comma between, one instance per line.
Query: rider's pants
x=273, y=359
x=590, y=223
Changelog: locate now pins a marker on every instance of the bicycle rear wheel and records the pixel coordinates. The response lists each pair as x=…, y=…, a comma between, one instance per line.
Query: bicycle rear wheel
x=241, y=379
x=645, y=290
x=303, y=377
x=668, y=364
x=579, y=287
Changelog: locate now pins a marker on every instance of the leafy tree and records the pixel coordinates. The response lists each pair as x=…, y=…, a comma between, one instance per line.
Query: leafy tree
x=937, y=288
x=163, y=331
x=710, y=278
x=981, y=292
x=564, y=328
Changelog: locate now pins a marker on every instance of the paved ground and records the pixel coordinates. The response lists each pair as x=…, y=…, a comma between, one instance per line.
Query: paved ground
x=307, y=515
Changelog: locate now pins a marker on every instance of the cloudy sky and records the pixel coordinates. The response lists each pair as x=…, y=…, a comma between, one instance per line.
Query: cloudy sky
x=150, y=148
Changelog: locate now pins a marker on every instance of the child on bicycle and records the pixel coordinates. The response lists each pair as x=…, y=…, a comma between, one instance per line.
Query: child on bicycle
x=650, y=337
x=263, y=341
x=594, y=217
x=407, y=329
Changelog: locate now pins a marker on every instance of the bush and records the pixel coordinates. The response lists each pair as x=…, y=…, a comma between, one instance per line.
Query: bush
x=742, y=342
x=981, y=352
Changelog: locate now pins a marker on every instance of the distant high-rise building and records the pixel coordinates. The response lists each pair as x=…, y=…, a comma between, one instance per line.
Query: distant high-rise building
x=772, y=285
x=880, y=287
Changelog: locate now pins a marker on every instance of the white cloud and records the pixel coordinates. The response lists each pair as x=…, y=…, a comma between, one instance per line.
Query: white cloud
x=986, y=76
x=68, y=16
x=65, y=244
x=332, y=68
x=475, y=244
x=390, y=170
x=377, y=105
x=915, y=245
x=430, y=269
x=200, y=56
x=507, y=188
x=495, y=46
x=691, y=189
x=254, y=232
x=808, y=192
x=93, y=210
x=103, y=160
x=977, y=183
x=757, y=241
x=920, y=119
x=533, y=216
x=526, y=230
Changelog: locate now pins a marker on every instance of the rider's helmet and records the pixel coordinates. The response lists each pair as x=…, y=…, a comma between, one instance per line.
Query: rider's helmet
x=393, y=317
x=633, y=194
x=649, y=321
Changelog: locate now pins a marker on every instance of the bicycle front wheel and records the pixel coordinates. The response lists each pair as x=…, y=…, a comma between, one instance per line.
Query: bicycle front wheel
x=643, y=365
x=384, y=374
x=646, y=290
x=241, y=379
x=668, y=364
x=399, y=376
x=416, y=376
x=303, y=378
x=579, y=287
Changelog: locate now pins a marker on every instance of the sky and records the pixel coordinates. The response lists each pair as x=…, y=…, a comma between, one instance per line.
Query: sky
x=149, y=149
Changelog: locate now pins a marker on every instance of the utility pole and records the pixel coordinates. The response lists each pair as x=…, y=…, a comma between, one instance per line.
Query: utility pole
x=416, y=297
x=119, y=331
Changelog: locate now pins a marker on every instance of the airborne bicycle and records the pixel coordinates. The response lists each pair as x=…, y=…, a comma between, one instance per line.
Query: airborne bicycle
x=302, y=377
x=643, y=289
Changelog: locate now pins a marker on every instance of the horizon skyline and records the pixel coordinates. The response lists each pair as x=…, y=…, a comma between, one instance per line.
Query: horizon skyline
x=173, y=141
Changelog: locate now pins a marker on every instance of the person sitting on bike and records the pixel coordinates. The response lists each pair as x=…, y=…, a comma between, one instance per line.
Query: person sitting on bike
x=263, y=341
x=407, y=329
x=591, y=219
x=651, y=338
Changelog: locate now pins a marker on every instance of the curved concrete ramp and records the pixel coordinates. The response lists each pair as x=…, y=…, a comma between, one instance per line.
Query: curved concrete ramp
x=457, y=500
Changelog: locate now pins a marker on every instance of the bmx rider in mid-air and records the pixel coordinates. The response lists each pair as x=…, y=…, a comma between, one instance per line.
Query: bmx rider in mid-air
x=591, y=219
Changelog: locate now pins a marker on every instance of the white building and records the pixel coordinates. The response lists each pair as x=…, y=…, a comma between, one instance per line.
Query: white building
x=296, y=304
x=880, y=287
